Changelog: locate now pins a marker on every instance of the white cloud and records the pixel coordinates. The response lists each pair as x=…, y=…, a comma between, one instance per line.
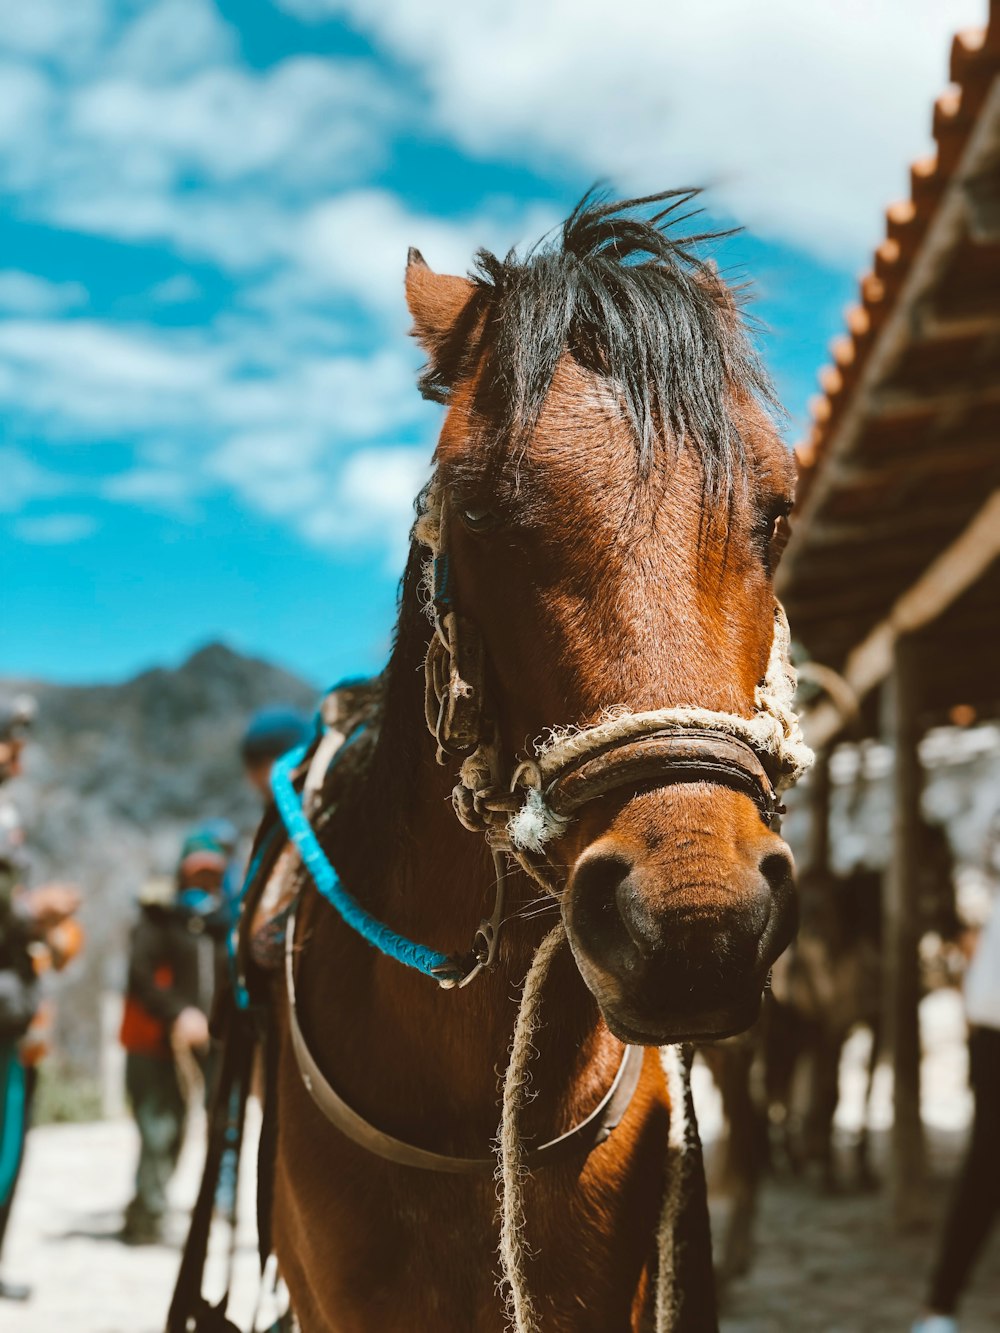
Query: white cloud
x=155, y=131
x=171, y=38
x=307, y=119
x=90, y=377
x=97, y=353
x=62, y=31
x=27, y=294
x=178, y=290
x=374, y=500
x=332, y=501
x=356, y=243
x=150, y=129
x=86, y=380
x=21, y=480
x=56, y=529
x=161, y=39
x=277, y=471
x=234, y=231
x=374, y=494
x=296, y=435
x=170, y=491
x=803, y=117
x=168, y=139
x=26, y=101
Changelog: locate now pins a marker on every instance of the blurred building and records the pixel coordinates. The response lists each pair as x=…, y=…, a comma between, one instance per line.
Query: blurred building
x=892, y=576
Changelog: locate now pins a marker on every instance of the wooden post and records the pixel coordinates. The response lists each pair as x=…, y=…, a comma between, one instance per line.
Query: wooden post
x=901, y=976
x=818, y=851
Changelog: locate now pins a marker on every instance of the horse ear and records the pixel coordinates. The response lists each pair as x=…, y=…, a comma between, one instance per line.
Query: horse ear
x=436, y=301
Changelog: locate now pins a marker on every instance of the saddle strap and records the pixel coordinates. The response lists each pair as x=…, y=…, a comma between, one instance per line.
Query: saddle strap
x=581, y=1139
x=189, y=1311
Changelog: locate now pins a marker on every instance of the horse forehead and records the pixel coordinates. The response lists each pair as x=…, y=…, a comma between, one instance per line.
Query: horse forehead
x=582, y=455
x=581, y=417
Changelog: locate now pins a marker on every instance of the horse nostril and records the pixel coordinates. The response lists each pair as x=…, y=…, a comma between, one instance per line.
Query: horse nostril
x=644, y=929
x=778, y=870
x=602, y=908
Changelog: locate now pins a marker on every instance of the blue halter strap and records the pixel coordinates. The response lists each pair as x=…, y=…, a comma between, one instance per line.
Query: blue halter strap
x=439, y=966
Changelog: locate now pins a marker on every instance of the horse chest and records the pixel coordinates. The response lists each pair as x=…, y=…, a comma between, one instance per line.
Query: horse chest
x=402, y=1250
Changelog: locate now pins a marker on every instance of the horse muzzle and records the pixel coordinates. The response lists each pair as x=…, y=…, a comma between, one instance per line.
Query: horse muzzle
x=675, y=933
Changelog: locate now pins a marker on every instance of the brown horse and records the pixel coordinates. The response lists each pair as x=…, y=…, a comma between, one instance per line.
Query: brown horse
x=613, y=493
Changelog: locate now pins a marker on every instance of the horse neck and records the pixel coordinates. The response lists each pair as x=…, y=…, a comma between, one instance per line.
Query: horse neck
x=401, y=850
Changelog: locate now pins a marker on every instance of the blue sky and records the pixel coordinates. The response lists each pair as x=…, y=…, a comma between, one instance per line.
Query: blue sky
x=209, y=422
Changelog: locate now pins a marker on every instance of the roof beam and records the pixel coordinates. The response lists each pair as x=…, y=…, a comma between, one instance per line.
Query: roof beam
x=887, y=404
x=886, y=526
x=955, y=457
x=942, y=582
x=983, y=195
x=946, y=226
x=940, y=326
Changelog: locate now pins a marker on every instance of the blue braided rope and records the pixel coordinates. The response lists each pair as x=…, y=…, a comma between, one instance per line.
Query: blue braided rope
x=240, y=991
x=232, y=939
x=374, y=932
x=442, y=581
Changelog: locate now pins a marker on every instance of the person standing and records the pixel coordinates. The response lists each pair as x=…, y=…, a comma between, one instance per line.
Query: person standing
x=27, y=919
x=975, y=1200
x=176, y=955
x=271, y=733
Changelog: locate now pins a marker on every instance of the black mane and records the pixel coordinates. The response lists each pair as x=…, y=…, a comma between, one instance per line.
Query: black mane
x=630, y=302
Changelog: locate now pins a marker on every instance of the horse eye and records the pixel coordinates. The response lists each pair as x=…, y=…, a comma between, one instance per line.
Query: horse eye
x=780, y=532
x=478, y=519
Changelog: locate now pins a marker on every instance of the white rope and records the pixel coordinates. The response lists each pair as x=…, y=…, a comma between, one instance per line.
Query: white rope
x=773, y=730
x=510, y=1169
x=427, y=531
x=668, y=1297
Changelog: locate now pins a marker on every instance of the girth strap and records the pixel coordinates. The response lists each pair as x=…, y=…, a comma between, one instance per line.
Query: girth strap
x=580, y=1139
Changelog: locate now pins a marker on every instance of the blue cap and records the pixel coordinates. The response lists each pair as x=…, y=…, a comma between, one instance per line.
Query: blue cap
x=221, y=831
x=274, y=731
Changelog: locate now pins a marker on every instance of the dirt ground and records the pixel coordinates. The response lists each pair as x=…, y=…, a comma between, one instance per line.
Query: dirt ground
x=835, y=1265
x=823, y=1264
x=62, y=1236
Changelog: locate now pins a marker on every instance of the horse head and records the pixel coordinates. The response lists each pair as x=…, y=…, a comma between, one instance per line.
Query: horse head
x=615, y=493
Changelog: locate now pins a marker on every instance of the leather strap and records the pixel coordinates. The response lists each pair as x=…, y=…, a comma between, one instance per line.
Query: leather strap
x=662, y=759
x=189, y=1310
x=581, y=1138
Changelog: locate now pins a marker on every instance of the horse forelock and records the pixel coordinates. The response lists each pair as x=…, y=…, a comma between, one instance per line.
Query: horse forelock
x=629, y=299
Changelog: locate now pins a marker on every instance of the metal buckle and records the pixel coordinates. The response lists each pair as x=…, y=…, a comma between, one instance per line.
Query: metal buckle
x=485, y=942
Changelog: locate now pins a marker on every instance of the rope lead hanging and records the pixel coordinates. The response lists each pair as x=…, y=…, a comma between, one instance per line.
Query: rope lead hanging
x=510, y=1152
x=514, y=1250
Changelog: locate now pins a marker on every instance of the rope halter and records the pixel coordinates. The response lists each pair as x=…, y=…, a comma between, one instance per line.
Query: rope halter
x=522, y=812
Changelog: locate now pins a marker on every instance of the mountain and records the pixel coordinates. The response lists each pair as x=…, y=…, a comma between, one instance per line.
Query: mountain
x=115, y=775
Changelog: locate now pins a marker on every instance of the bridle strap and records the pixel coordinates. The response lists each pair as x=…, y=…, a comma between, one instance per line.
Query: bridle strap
x=582, y=1138
x=521, y=811
x=664, y=758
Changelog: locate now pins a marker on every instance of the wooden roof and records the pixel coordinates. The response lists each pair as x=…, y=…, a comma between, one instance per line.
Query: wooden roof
x=904, y=448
